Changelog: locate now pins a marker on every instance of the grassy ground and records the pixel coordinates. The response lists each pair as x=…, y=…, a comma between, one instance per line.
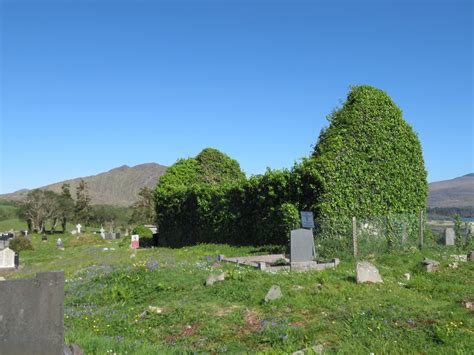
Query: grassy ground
x=108, y=294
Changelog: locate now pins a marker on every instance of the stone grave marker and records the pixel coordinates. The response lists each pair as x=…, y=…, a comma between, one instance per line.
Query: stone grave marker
x=102, y=232
x=302, y=245
x=449, y=236
x=7, y=259
x=78, y=226
x=135, y=241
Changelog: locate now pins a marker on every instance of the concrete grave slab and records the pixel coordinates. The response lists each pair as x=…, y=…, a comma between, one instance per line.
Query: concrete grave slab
x=302, y=245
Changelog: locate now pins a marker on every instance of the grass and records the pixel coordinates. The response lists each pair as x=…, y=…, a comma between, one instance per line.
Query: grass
x=108, y=295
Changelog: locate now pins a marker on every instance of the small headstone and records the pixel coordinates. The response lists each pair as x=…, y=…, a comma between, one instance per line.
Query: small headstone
x=117, y=235
x=44, y=238
x=78, y=226
x=74, y=232
x=407, y=276
x=135, y=241
x=470, y=256
x=215, y=278
x=302, y=245
x=367, y=272
x=307, y=219
x=273, y=294
x=471, y=228
x=449, y=236
x=430, y=265
x=7, y=259
x=102, y=232
x=59, y=244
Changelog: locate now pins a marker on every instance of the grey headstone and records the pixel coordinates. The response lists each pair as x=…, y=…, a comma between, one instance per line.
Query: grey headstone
x=273, y=294
x=152, y=264
x=302, y=245
x=367, y=272
x=7, y=259
x=449, y=236
x=470, y=256
x=430, y=265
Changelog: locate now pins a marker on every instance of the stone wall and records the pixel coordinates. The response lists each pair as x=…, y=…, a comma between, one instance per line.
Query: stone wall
x=31, y=315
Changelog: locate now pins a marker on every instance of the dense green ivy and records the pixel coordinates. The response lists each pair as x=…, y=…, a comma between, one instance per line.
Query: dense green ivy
x=368, y=162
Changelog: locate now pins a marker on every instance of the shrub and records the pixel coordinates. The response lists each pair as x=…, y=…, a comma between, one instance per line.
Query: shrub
x=142, y=231
x=20, y=243
x=368, y=162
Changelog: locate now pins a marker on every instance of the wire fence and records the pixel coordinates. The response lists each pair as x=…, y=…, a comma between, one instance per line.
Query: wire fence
x=384, y=234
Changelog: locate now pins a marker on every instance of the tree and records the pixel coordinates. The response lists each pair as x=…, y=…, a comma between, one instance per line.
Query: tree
x=82, y=208
x=38, y=207
x=144, y=208
x=66, y=206
x=368, y=162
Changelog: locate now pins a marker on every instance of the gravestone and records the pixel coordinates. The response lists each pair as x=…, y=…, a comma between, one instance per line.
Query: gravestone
x=302, y=245
x=78, y=226
x=7, y=259
x=109, y=236
x=59, y=244
x=449, y=236
x=367, y=272
x=135, y=241
x=307, y=219
x=117, y=235
x=102, y=232
x=44, y=238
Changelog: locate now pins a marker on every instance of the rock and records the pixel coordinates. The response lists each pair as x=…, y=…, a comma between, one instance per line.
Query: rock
x=367, y=272
x=316, y=349
x=454, y=265
x=273, y=294
x=468, y=305
x=2, y=278
x=430, y=265
x=460, y=258
x=215, y=278
x=72, y=349
x=319, y=286
x=470, y=256
x=407, y=276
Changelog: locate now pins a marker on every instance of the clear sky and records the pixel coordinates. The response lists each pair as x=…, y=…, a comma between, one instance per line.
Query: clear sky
x=87, y=86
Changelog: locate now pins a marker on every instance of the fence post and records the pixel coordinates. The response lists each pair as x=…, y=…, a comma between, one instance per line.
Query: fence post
x=354, y=236
x=420, y=227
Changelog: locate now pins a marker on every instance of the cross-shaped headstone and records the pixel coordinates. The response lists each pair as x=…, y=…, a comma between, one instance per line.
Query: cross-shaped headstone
x=78, y=226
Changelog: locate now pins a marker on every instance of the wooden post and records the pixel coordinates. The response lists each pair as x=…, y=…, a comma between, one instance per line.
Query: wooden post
x=420, y=227
x=354, y=236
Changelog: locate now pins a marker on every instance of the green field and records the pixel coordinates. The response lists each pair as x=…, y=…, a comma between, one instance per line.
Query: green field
x=108, y=294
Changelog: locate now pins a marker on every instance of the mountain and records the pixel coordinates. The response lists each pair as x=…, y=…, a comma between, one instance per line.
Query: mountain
x=118, y=187
x=458, y=192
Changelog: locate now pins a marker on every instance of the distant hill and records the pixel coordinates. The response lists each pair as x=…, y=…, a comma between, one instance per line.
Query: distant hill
x=458, y=192
x=118, y=187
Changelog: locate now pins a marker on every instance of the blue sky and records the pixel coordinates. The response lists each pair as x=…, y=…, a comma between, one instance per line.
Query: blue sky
x=87, y=86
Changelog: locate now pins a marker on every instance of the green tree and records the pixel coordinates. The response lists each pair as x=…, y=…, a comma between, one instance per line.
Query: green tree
x=144, y=208
x=38, y=207
x=368, y=162
x=66, y=204
x=82, y=209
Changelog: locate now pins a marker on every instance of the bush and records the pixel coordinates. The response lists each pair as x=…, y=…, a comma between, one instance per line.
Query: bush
x=142, y=231
x=19, y=243
x=369, y=162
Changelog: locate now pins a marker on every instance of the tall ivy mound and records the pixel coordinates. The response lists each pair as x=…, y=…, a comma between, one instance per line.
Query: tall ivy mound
x=369, y=161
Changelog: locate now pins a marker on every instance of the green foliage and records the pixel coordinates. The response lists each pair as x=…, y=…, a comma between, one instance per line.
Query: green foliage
x=457, y=226
x=82, y=208
x=109, y=216
x=143, y=211
x=368, y=161
x=142, y=231
x=20, y=243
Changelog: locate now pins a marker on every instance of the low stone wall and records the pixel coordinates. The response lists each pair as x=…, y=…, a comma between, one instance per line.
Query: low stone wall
x=31, y=315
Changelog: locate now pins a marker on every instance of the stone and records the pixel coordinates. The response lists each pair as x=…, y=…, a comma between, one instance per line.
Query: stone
x=73, y=232
x=470, y=256
x=367, y=272
x=2, y=278
x=315, y=349
x=460, y=258
x=73, y=349
x=215, y=278
x=7, y=259
x=273, y=294
x=44, y=238
x=302, y=245
x=454, y=265
x=449, y=236
x=78, y=226
x=59, y=243
x=156, y=310
x=407, y=276
x=430, y=265
x=152, y=264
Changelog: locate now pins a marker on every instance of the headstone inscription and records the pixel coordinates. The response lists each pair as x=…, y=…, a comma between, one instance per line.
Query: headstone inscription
x=449, y=236
x=302, y=245
x=7, y=259
x=135, y=241
x=307, y=219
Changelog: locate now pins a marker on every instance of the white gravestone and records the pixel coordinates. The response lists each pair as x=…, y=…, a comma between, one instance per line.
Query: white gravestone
x=7, y=259
x=79, y=228
x=102, y=232
x=449, y=236
x=302, y=245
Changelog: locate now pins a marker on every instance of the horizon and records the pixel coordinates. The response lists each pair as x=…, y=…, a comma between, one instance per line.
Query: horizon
x=87, y=87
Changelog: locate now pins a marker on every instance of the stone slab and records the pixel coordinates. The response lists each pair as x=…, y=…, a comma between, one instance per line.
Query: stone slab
x=302, y=245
